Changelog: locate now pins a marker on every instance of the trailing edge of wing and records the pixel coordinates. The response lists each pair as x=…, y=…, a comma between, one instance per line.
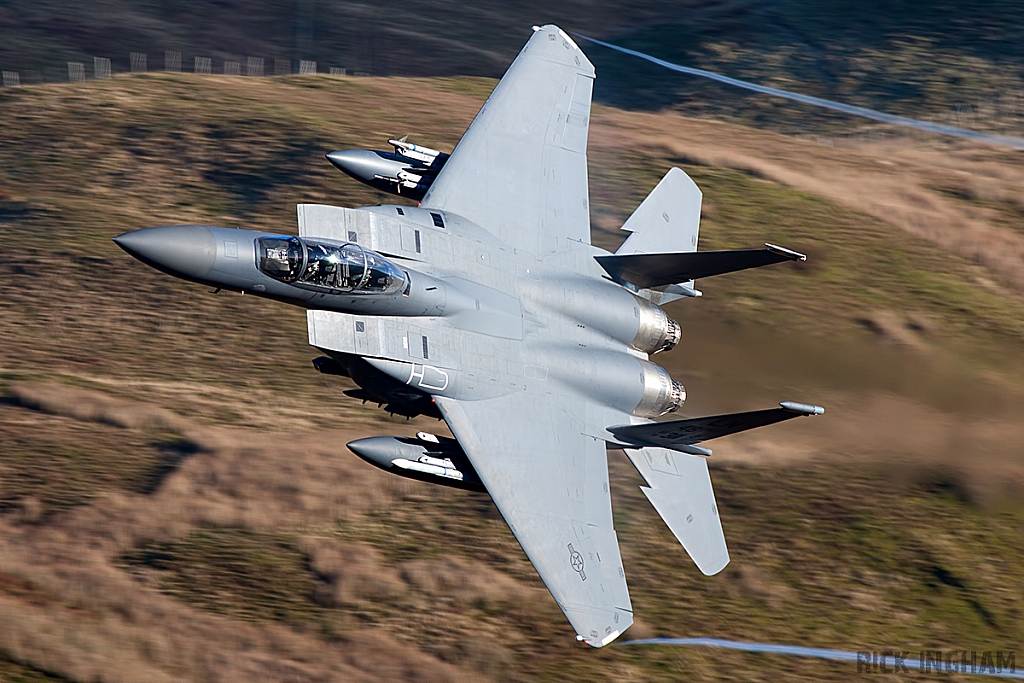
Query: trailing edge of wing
x=679, y=488
x=680, y=435
x=656, y=270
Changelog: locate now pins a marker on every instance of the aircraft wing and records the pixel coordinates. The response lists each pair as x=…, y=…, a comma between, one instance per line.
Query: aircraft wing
x=550, y=483
x=520, y=170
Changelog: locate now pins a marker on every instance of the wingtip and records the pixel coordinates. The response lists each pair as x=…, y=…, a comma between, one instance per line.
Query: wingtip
x=563, y=33
x=788, y=253
x=805, y=408
x=568, y=38
x=710, y=567
x=599, y=643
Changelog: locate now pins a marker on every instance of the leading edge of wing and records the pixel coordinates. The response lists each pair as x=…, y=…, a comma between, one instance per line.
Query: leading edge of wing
x=550, y=482
x=520, y=169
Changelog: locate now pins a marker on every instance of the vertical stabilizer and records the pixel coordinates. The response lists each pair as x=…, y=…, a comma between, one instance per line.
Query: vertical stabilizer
x=668, y=220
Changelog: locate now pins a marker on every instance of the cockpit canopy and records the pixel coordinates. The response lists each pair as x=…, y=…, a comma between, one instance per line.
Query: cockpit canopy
x=336, y=267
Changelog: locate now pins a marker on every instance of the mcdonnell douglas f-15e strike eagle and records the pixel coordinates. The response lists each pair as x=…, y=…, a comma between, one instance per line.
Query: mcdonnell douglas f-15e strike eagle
x=488, y=306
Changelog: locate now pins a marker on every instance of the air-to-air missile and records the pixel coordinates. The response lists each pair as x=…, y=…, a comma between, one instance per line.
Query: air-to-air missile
x=407, y=172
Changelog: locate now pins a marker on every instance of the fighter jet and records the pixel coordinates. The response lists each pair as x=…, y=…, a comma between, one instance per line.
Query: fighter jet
x=487, y=306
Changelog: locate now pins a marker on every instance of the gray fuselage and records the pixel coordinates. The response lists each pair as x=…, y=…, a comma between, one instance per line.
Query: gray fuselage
x=533, y=322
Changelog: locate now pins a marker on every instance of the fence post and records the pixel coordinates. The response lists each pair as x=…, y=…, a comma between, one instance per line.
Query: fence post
x=100, y=68
x=254, y=66
x=172, y=60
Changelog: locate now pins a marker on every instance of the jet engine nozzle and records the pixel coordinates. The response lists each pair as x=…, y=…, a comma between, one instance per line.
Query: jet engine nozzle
x=661, y=394
x=656, y=332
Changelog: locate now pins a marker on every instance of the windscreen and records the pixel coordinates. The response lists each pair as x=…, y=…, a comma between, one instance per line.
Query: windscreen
x=336, y=267
x=280, y=257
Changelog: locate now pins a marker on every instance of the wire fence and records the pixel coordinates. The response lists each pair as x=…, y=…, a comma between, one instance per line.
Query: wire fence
x=100, y=67
x=139, y=62
x=959, y=115
x=76, y=72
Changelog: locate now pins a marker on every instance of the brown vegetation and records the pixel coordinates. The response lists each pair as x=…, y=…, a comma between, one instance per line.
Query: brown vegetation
x=176, y=502
x=62, y=576
x=954, y=194
x=90, y=406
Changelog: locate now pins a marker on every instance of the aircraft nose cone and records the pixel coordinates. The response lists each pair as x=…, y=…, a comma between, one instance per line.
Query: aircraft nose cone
x=182, y=250
x=361, y=164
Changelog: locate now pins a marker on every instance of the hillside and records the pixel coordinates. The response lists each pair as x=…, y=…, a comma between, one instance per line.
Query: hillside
x=176, y=502
x=959, y=63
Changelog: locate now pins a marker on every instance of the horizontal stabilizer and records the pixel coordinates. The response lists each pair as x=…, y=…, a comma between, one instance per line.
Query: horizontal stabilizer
x=657, y=270
x=680, y=435
x=679, y=488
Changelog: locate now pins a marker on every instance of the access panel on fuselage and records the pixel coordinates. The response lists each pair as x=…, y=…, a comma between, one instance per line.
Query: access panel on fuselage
x=375, y=231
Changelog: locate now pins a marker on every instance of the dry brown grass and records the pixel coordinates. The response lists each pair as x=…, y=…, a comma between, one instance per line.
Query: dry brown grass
x=355, y=571
x=980, y=459
x=91, y=406
x=901, y=183
x=897, y=328
x=68, y=609
x=465, y=582
x=413, y=582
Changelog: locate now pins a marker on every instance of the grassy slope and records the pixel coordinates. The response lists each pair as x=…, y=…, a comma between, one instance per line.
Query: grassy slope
x=957, y=62
x=954, y=62
x=827, y=553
